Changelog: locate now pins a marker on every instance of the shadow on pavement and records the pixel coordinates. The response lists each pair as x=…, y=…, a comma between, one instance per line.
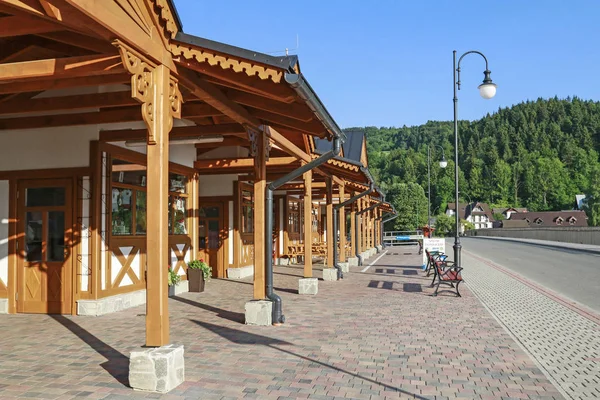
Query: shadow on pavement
x=230, y=315
x=117, y=364
x=240, y=337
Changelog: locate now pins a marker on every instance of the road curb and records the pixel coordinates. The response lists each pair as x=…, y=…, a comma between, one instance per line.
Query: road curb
x=551, y=245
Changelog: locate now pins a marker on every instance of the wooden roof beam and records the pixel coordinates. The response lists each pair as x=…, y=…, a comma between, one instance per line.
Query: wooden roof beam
x=286, y=145
x=51, y=83
x=177, y=132
x=240, y=81
x=21, y=25
x=129, y=114
x=291, y=110
x=210, y=94
x=226, y=163
x=79, y=102
x=70, y=67
x=311, y=128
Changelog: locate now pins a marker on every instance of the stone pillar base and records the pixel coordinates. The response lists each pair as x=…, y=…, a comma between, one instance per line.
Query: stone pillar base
x=379, y=248
x=308, y=286
x=353, y=261
x=259, y=312
x=160, y=369
x=344, y=266
x=329, y=274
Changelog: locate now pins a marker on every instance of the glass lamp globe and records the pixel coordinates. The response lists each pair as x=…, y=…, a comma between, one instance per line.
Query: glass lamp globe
x=487, y=90
x=443, y=163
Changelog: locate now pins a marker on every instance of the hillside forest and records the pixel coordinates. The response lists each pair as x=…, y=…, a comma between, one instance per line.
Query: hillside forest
x=536, y=154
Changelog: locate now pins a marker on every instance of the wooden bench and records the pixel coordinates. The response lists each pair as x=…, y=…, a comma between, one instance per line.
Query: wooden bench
x=432, y=257
x=446, y=273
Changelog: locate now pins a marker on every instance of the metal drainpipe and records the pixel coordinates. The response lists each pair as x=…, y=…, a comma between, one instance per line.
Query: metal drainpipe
x=380, y=219
x=380, y=201
x=387, y=220
x=278, y=317
x=336, y=210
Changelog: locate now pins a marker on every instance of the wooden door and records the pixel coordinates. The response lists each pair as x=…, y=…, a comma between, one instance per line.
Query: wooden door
x=44, y=274
x=211, y=237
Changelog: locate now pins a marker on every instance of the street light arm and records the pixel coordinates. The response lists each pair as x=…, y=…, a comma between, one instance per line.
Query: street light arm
x=463, y=56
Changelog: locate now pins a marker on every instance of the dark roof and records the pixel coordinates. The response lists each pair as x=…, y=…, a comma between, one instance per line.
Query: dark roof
x=283, y=62
x=549, y=218
x=466, y=209
x=502, y=210
x=322, y=145
x=353, y=144
x=176, y=14
x=517, y=223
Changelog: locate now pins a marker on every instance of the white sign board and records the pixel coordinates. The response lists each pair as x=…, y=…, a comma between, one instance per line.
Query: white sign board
x=433, y=244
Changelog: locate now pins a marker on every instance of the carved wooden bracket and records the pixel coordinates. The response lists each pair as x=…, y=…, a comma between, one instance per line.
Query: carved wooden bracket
x=145, y=88
x=254, y=141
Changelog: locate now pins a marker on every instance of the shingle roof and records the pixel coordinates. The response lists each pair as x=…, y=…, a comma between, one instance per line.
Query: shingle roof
x=549, y=218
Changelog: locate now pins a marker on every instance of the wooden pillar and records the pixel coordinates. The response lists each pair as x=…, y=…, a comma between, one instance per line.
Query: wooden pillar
x=353, y=227
x=368, y=229
x=308, y=270
x=195, y=213
x=342, y=225
x=330, y=233
x=359, y=208
x=373, y=228
x=260, y=184
x=153, y=86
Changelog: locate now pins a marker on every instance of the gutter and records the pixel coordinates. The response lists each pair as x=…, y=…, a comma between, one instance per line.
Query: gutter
x=306, y=93
x=336, y=210
x=278, y=317
x=358, y=214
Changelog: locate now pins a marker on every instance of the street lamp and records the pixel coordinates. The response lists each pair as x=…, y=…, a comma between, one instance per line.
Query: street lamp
x=487, y=90
x=443, y=164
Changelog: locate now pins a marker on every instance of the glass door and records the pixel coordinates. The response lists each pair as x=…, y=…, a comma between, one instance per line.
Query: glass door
x=44, y=247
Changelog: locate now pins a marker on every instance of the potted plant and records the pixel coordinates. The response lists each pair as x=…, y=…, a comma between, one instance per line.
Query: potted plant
x=198, y=273
x=174, y=280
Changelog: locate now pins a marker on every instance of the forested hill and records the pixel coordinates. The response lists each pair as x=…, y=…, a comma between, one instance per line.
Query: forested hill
x=537, y=154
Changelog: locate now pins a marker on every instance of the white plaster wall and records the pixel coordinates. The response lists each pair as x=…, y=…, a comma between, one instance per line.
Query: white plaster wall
x=281, y=221
x=230, y=229
x=85, y=234
x=217, y=185
x=4, y=196
x=184, y=154
x=64, y=147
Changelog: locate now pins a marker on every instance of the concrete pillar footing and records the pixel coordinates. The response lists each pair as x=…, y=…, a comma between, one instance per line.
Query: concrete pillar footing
x=159, y=369
x=308, y=286
x=259, y=312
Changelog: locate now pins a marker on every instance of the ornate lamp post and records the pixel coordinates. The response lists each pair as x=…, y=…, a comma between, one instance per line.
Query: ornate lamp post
x=443, y=164
x=487, y=90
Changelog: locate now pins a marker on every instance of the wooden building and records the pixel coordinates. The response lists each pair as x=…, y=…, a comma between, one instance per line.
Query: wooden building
x=128, y=146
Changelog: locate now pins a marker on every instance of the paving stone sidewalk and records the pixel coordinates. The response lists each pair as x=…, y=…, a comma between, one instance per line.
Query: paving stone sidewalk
x=563, y=339
x=374, y=335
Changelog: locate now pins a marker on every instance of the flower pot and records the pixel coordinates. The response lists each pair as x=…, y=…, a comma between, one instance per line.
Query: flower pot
x=172, y=291
x=196, y=280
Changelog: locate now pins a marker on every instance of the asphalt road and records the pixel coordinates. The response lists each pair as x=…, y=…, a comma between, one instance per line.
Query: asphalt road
x=572, y=273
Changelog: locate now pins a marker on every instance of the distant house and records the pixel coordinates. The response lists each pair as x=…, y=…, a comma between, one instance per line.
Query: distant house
x=507, y=212
x=580, y=199
x=548, y=219
x=479, y=214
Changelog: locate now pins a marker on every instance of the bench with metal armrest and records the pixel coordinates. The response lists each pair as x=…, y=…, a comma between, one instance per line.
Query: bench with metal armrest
x=446, y=273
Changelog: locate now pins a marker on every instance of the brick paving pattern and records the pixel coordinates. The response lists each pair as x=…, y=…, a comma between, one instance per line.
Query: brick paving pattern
x=374, y=335
x=564, y=342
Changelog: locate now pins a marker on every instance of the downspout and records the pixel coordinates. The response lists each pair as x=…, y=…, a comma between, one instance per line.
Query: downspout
x=381, y=222
x=278, y=317
x=358, y=214
x=336, y=210
x=387, y=220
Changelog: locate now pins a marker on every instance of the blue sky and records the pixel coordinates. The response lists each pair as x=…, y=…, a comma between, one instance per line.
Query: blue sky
x=389, y=62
